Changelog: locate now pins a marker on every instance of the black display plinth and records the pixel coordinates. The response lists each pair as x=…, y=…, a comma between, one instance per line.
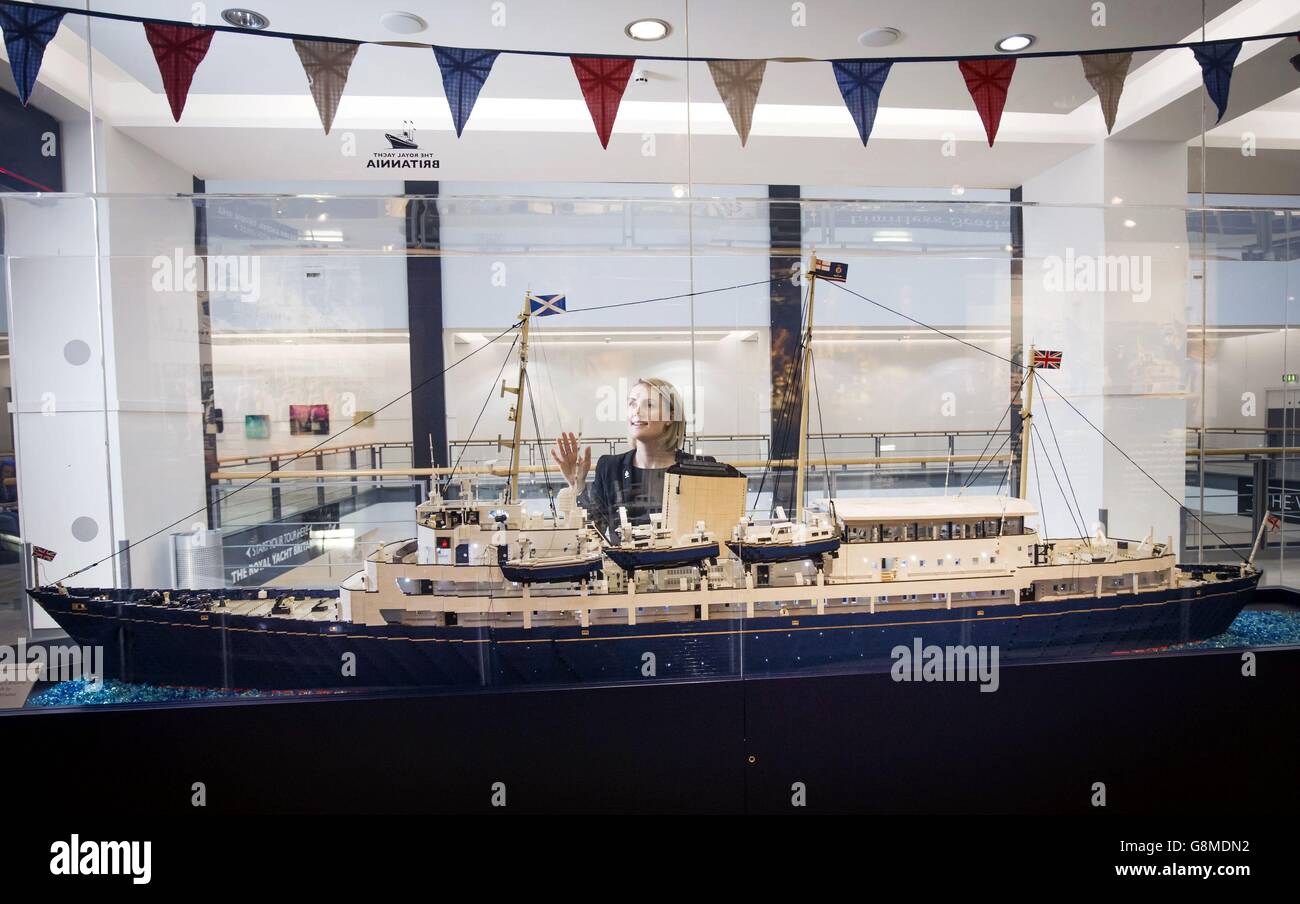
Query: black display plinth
x=1167, y=733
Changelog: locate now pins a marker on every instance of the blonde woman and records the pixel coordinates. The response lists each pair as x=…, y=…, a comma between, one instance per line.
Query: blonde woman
x=656, y=423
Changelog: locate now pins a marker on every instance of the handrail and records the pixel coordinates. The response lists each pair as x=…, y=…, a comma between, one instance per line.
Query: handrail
x=753, y=463
x=838, y=461
x=305, y=453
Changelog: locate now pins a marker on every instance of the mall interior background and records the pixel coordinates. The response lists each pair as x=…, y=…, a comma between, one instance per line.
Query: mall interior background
x=362, y=283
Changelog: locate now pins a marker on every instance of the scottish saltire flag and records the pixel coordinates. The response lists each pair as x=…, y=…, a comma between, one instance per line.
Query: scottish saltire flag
x=463, y=74
x=1216, y=69
x=861, y=82
x=27, y=30
x=1046, y=359
x=545, y=305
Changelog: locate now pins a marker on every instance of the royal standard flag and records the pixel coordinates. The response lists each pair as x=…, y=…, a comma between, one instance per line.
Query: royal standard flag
x=545, y=305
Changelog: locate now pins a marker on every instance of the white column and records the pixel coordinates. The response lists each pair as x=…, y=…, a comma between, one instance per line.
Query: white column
x=106, y=383
x=1106, y=283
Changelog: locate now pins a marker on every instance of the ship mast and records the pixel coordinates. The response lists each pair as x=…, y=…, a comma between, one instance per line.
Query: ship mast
x=1026, y=423
x=803, y=389
x=516, y=413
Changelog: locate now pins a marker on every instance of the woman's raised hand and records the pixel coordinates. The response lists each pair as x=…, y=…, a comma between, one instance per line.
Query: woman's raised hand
x=574, y=465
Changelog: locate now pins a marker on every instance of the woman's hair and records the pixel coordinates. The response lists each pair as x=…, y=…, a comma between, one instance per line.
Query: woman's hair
x=670, y=407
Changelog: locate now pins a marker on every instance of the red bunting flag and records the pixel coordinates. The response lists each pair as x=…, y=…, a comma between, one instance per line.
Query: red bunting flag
x=987, y=81
x=603, y=81
x=178, y=49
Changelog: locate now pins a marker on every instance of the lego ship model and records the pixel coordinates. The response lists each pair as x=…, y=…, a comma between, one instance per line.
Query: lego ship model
x=490, y=593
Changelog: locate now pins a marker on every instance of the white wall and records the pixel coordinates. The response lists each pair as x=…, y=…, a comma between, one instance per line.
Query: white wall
x=1238, y=365
x=603, y=250
x=348, y=375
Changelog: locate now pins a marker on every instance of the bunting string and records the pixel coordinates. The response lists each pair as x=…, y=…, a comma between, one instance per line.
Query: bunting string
x=179, y=48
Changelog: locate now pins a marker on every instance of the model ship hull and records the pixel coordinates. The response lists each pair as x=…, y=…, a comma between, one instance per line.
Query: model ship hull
x=154, y=644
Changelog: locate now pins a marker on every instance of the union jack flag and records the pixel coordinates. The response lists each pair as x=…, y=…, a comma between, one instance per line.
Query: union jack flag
x=545, y=305
x=45, y=555
x=1046, y=360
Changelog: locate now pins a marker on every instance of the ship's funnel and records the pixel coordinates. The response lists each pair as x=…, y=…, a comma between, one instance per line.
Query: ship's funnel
x=711, y=492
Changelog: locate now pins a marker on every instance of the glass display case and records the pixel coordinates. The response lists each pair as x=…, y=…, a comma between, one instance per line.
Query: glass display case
x=268, y=436
x=321, y=389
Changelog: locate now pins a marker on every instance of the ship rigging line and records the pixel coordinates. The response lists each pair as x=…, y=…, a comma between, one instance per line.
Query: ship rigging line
x=1038, y=480
x=781, y=434
x=1064, y=470
x=976, y=475
x=301, y=454
x=821, y=422
x=546, y=474
x=1005, y=411
x=504, y=361
x=389, y=404
x=1046, y=454
x=1114, y=445
x=628, y=304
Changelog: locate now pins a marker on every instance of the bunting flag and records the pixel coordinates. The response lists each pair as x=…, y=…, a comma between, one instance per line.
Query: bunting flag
x=463, y=75
x=738, y=83
x=27, y=30
x=861, y=82
x=603, y=81
x=987, y=80
x=326, y=64
x=178, y=49
x=1216, y=68
x=1106, y=73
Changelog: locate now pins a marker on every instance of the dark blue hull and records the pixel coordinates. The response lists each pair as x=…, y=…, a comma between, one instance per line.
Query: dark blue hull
x=769, y=554
x=158, y=645
x=631, y=560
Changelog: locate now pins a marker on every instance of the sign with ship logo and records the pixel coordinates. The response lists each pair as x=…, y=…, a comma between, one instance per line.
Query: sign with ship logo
x=404, y=152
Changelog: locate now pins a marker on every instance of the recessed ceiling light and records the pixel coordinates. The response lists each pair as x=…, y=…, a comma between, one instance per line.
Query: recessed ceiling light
x=879, y=36
x=403, y=23
x=245, y=18
x=1012, y=43
x=1130, y=223
x=648, y=30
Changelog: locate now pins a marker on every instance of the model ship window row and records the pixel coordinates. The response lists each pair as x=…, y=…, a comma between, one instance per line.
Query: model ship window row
x=935, y=530
x=890, y=563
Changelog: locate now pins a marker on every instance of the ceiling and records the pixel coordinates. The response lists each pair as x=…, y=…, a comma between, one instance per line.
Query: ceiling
x=249, y=111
